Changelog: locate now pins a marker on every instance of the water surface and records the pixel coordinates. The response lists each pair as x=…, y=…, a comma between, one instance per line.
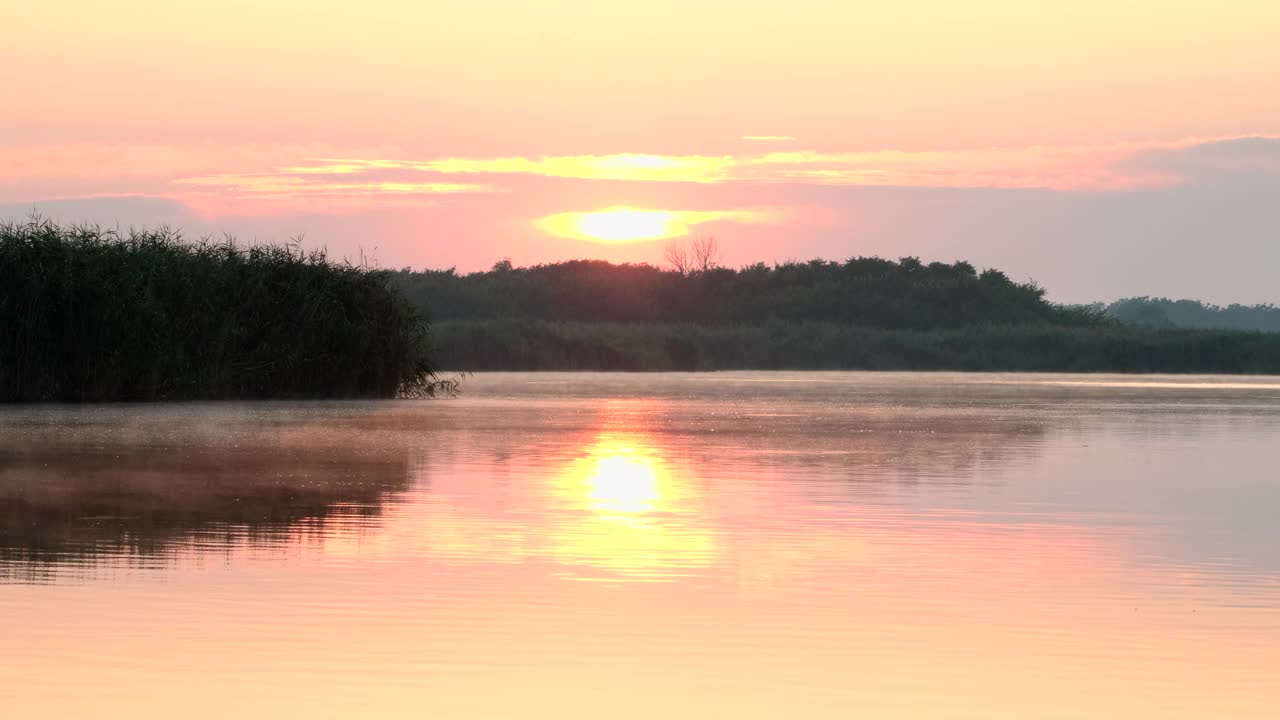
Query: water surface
x=747, y=545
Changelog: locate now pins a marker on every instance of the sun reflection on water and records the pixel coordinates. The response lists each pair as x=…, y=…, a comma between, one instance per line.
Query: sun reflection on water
x=622, y=479
x=632, y=513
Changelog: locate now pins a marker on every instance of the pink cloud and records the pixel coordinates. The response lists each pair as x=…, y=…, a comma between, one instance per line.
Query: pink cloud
x=218, y=179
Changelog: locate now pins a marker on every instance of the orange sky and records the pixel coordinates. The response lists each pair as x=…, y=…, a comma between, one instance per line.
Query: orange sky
x=449, y=134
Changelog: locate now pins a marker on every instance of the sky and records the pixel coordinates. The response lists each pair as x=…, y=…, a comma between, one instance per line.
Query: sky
x=1101, y=149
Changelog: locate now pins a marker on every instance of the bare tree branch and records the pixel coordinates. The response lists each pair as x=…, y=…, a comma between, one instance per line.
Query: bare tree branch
x=706, y=253
x=677, y=256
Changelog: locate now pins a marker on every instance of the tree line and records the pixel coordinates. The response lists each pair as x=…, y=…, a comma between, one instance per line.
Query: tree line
x=1163, y=312
x=863, y=291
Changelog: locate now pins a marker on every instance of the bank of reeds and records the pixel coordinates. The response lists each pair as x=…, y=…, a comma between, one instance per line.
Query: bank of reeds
x=89, y=314
x=543, y=345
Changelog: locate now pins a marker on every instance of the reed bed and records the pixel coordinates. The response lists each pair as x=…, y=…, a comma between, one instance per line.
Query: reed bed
x=549, y=345
x=89, y=314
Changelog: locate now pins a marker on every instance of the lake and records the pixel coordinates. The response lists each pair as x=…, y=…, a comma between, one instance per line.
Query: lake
x=738, y=545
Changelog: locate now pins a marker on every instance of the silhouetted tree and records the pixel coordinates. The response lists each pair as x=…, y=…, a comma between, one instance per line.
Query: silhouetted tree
x=706, y=253
x=677, y=257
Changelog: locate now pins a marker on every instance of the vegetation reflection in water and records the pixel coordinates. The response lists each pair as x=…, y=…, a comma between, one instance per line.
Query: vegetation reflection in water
x=155, y=487
x=761, y=546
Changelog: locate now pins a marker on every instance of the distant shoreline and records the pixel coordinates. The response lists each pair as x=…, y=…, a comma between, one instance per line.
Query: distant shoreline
x=526, y=345
x=88, y=315
x=865, y=313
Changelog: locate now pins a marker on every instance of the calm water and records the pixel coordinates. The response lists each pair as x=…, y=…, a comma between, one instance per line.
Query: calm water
x=740, y=545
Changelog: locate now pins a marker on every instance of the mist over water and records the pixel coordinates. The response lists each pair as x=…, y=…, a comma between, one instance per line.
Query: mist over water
x=752, y=545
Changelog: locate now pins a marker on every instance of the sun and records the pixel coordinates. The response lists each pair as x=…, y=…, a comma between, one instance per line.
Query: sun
x=624, y=224
x=618, y=224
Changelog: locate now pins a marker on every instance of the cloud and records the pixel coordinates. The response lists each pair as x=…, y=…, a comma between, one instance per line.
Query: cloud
x=202, y=175
x=152, y=160
x=123, y=211
x=1126, y=166
x=219, y=180
x=623, y=167
x=1068, y=168
x=1233, y=160
x=266, y=193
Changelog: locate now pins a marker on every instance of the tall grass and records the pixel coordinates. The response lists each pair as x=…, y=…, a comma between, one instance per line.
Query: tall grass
x=88, y=314
x=544, y=345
